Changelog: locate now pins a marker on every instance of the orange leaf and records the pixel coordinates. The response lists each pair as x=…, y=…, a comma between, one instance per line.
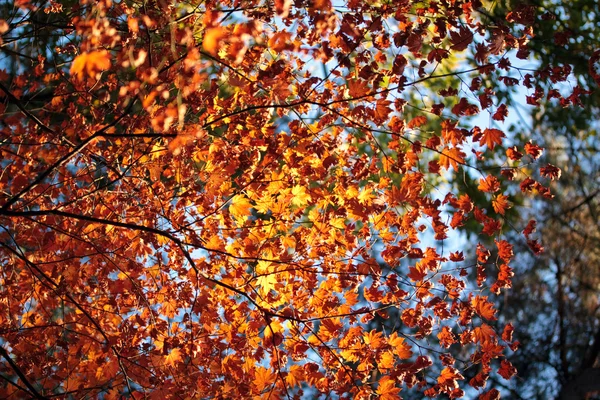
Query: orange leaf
x=507, y=370
x=173, y=358
x=213, y=38
x=90, y=64
x=280, y=41
x=240, y=206
x=263, y=378
x=491, y=137
x=489, y=184
x=448, y=378
x=484, y=333
x=452, y=157
x=501, y=204
x=400, y=348
x=417, y=121
x=357, y=88
x=484, y=307
x=387, y=389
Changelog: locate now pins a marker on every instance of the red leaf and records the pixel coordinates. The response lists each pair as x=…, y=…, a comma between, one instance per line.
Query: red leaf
x=507, y=334
x=461, y=39
x=550, y=171
x=507, y=370
x=493, y=394
x=533, y=150
x=501, y=113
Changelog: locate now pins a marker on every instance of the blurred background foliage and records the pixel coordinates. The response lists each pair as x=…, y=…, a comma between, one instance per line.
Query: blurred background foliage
x=555, y=301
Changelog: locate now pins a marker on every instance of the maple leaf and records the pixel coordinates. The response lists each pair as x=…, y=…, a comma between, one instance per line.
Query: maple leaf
x=489, y=184
x=491, y=137
x=212, y=39
x=550, y=171
x=484, y=333
x=295, y=376
x=501, y=204
x=451, y=156
x=463, y=107
x=533, y=150
x=461, y=38
x=300, y=197
x=400, y=348
x=446, y=337
x=484, y=308
x=387, y=389
x=263, y=378
x=357, y=88
x=417, y=122
x=239, y=206
x=506, y=370
x=173, y=357
x=505, y=250
x=448, y=378
x=500, y=114
x=90, y=64
x=507, y=333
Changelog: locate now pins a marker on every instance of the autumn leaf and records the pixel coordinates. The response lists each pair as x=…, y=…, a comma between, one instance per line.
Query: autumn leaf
x=491, y=138
x=239, y=206
x=300, y=197
x=533, y=150
x=263, y=378
x=295, y=376
x=417, y=121
x=90, y=64
x=501, y=204
x=507, y=370
x=484, y=308
x=484, y=333
x=173, y=357
x=489, y=184
x=550, y=171
x=280, y=40
x=357, y=88
x=461, y=38
x=448, y=378
x=387, y=389
x=213, y=38
x=452, y=156
x=400, y=348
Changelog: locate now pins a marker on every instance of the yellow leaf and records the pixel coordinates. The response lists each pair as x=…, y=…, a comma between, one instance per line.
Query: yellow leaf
x=386, y=361
x=240, y=207
x=288, y=241
x=301, y=198
x=266, y=283
x=173, y=358
x=212, y=39
x=366, y=196
x=90, y=63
